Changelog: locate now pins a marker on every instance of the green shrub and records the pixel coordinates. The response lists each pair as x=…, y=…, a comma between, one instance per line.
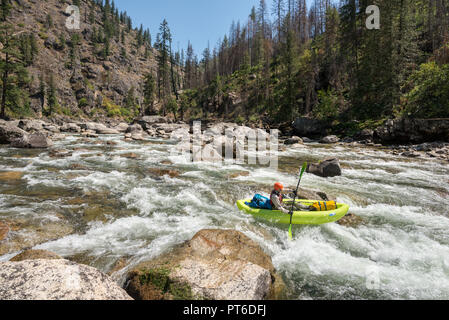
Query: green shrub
x=82, y=103
x=327, y=107
x=428, y=94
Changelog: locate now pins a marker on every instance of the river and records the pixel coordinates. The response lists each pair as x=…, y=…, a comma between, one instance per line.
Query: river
x=113, y=206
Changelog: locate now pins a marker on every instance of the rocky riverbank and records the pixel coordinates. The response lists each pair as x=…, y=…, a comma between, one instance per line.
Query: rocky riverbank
x=40, y=134
x=214, y=264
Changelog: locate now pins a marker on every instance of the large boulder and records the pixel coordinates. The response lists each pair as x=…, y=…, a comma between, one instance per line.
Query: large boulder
x=148, y=121
x=34, y=141
x=135, y=128
x=10, y=132
x=121, y=127
x=31, y=125
x=326, y=168
x=293, y=140
x=56, y=280
x=412, y=131
x=309, y=127
x=70, y=127
x=215, y=264
x=330, y=139
x=4, y=231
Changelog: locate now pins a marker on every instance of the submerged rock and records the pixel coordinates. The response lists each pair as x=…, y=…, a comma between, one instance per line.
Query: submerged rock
x=35, y=255
x=12, y=175
x=215, y=264
x=129, y=155
x=4, y=231
x=350, y=220
x=25, y=235
x=162, y=172
x=326, y=168
x=56, y=280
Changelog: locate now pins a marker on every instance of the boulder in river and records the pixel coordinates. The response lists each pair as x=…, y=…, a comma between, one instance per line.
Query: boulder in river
x=350, y=220
x=4, y=231
x=35, y=255
x=10, y=132
x=34, y=140
x=330, y=140
x=326, y=168
x=215, y=264
x=56, y=280
x=293, y=140
x=10, y=175
x=308, y=126
x=70, y=127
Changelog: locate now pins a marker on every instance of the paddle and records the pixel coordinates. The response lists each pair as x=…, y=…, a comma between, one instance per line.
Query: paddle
x=290, y=235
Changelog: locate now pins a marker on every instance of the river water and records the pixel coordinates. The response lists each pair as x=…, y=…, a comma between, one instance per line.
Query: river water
x=117, y=207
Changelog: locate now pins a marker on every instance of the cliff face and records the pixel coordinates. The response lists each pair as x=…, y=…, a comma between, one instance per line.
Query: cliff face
x=89, y=84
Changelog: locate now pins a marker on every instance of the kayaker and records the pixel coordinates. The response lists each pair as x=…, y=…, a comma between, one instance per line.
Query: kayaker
x=276, y=201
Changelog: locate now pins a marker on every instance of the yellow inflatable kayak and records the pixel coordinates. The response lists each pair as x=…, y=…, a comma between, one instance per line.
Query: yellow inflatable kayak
x=299, y=217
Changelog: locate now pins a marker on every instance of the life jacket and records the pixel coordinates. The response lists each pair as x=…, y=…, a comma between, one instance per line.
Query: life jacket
x=277, y=194
x=325, y=205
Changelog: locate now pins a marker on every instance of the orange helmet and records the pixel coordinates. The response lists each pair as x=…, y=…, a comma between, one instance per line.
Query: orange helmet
x=278, y=186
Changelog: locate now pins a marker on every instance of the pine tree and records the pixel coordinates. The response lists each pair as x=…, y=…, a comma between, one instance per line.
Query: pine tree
x=14, y=76
x=149, y=89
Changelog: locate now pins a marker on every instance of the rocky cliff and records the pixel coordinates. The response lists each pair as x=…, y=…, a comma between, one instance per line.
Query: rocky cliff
x=88, y=83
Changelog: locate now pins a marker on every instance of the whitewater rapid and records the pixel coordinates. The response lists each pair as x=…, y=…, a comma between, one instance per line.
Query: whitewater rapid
x=401, y=251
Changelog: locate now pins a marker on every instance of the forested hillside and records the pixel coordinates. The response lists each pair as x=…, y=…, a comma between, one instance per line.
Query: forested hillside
x=324, y=62
x=287, y=60
x=106, y=68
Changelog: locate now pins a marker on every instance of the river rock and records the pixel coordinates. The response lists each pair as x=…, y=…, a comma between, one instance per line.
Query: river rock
x=70, y=127
x=412, y=130
x=31, y=125
x=148, y=121
x=108, y=131
x=34, y=140
x=10, y=175
x=309, y=126
x=130, y=155
x=9, y=132
x=364, y=135
x=135, y=128
x=326, y=168
x=4, y=231
x=122, y=127
x=293, y=140
x=330, y=140
x=350, y=220
x=215, y=264
x=35, y=255
x=56, y=280
x=162, y=172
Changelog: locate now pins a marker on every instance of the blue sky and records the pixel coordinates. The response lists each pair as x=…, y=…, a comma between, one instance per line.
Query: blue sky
x=199, y=21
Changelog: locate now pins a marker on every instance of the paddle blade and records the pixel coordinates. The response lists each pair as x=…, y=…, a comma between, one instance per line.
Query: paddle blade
x=303, y=169
x=290, y=234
